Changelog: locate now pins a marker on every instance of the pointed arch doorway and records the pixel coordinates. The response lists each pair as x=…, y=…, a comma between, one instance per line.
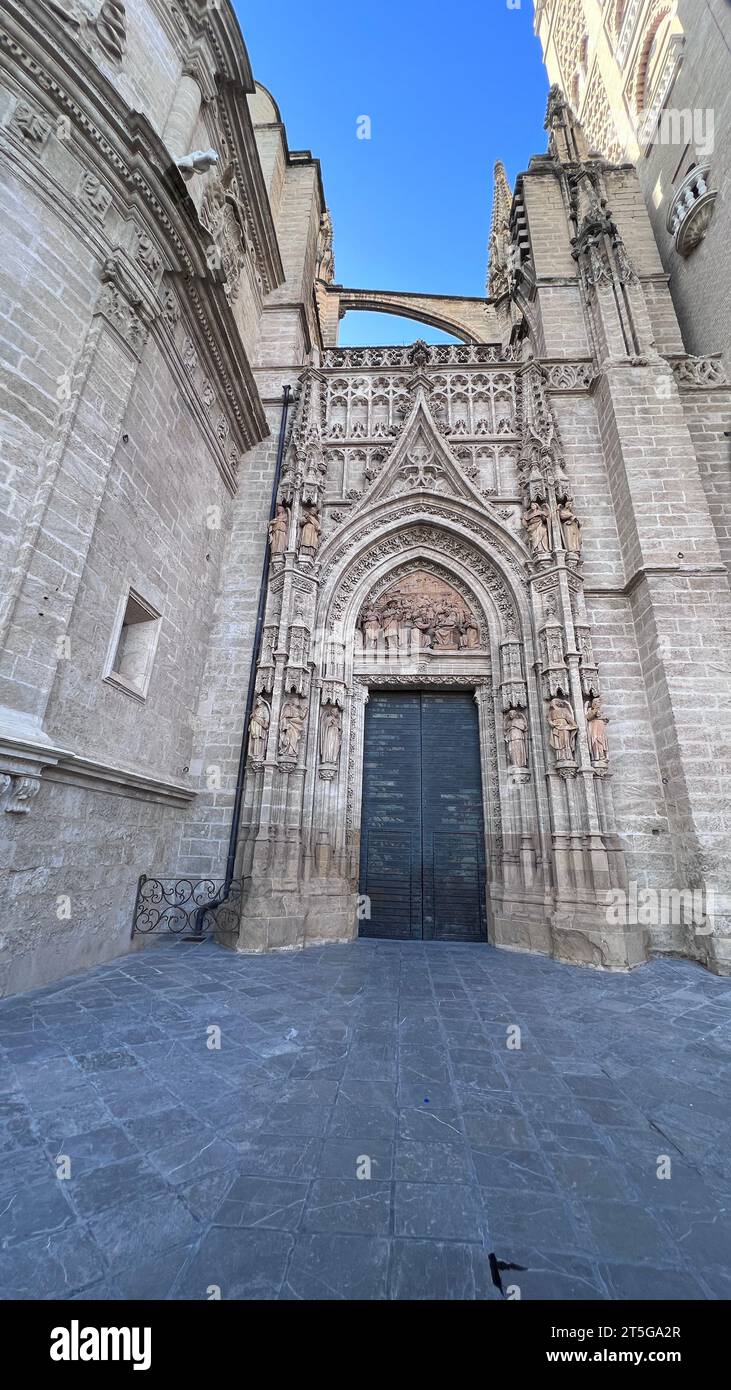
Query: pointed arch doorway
x=422, y=860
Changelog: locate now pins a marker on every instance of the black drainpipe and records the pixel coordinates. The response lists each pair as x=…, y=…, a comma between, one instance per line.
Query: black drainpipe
x=241, y=774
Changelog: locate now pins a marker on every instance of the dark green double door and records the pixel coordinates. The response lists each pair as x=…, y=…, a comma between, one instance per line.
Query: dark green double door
x=422, y=863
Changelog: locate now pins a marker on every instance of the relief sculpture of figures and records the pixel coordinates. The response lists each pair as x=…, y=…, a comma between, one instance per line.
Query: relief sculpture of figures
x=596, y=728
x=516, y=738
x=330, y=735
x=421, y=611
x=310, y=530
x=259, y=730
x=291, y=724
x=279, y=531
x=535, y=522
x=570, y=527
x=563, y=728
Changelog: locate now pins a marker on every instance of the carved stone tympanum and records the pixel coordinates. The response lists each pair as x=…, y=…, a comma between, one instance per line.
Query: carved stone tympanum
x=419, y=610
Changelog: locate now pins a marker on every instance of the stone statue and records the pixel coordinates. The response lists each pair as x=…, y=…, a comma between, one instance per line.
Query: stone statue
x=279, y=531
x=330, y=735
x=535, y=522
x=259, y=730
x=596, y=728
x=516, y=738
x=291, y=724
x=563, y=728
x=310, y=530
x=325, y=258
x=370, y=625
x=570, y=527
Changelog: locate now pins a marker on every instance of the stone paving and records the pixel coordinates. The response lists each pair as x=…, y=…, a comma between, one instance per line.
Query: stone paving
x=237, y=1167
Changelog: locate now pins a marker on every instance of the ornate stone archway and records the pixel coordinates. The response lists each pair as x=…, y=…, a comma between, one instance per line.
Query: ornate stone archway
x=420, y=581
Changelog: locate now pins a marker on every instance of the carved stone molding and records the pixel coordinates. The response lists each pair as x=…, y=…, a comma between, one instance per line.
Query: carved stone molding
x=92, y=195
x=699, y=371
x=449, y=545
x=17, y=793
x=111, y=28
x=30, y=125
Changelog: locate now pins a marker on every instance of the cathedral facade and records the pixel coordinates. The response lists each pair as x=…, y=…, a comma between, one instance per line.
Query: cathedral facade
x=424, y=642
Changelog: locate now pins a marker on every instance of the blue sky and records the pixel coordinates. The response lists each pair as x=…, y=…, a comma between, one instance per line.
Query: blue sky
x=449, y=88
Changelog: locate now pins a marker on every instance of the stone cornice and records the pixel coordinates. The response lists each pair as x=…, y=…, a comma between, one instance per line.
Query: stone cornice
x=123, y=150
x=31, y=756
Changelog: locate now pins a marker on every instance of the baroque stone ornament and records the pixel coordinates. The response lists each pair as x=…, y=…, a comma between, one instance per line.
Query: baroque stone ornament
x=18, y=793
x=111, y=28
x=224, y=216
x=29, y=123
x=93, y=195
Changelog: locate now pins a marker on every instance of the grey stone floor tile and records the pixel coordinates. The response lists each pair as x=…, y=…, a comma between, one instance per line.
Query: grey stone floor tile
x=522, y=1221
x=446, y=1161
x=271, y=1155
x=646, y=1282
x=241, y=1264
x=440, y=1270
x=512, y=1170
x=344, y=1158
x=348, y=1206
x=328, y=1267
x=626, y=1231
x=143, y=1227
x=271, y=1203
x=439, y=1211
x=50, y=1267
x=392, y=1052
x=548, y=1277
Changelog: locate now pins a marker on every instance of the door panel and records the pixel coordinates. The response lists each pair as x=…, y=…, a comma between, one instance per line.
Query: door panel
x=391, y=823
x=422, y=846
x=452, y=821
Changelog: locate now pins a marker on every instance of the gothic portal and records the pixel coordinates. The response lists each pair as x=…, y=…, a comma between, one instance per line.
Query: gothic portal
x=460, y=530
x=437, y=650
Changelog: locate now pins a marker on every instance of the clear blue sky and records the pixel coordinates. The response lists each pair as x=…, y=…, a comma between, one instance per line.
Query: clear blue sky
x=448, y=87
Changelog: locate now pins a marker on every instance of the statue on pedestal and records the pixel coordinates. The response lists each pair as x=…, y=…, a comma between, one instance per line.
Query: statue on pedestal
x=563, y=728
x=279, y=531
x=596, y=729
x=516, y=738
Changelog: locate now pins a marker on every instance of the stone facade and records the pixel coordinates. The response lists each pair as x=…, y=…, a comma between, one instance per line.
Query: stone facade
x=156, y=301
x=649, y=80
x=538, y=513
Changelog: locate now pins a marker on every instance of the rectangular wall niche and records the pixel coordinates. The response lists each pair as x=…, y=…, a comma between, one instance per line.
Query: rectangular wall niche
x=133, y=650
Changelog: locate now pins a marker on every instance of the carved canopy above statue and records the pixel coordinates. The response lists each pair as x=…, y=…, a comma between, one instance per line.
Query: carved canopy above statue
x=419, y=608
